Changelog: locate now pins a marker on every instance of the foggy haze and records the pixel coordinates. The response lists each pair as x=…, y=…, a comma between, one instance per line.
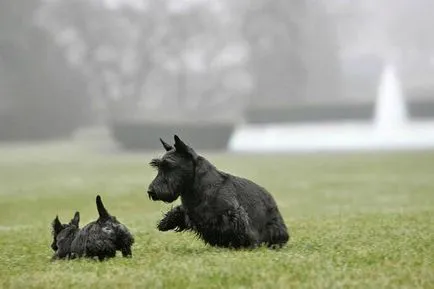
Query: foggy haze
x=67, y=65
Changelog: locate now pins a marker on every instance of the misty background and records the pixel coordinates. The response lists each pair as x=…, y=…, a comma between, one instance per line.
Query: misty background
x=147, y=68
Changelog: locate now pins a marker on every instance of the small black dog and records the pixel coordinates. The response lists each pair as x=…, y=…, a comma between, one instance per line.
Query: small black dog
x=222, y=209
x=63, y=235
x=103, y=237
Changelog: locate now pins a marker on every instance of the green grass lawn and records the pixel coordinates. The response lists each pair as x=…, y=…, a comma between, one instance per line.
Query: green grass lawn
x=357, y=221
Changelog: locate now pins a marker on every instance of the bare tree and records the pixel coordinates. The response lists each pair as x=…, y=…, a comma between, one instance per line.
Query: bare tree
x=293, y=51
x=43, y=95
x=139, y=58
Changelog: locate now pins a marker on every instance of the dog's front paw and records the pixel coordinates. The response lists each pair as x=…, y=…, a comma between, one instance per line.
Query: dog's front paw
x=164, y=225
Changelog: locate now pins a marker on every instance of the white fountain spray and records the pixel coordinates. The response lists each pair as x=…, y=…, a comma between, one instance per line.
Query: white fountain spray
x=391, y=128
x=390, y=111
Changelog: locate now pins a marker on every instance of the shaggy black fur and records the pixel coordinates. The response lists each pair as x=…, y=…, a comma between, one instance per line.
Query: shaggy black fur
x=222, y=209
x=103, y=237
x=63, y=235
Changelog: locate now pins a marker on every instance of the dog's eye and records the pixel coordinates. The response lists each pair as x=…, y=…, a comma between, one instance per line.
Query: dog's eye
x=166, y=165
x=155, y=163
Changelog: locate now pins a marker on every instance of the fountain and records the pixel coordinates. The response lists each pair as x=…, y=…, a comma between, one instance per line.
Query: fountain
x=390, y=129
x=390, y=110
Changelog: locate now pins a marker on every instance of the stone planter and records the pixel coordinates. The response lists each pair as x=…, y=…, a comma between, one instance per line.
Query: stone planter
x=144, y=135
x=311, y=113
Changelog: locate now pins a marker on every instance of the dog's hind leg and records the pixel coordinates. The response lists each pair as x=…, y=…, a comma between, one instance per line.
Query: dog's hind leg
x=276, y=233
x=278, y=237
x=126, y=252
x=232, y=230
x=245, y=236
x=175, y=219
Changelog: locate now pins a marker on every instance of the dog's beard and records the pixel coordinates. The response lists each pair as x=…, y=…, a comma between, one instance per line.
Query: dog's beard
x=165, y=197
x=164, y=191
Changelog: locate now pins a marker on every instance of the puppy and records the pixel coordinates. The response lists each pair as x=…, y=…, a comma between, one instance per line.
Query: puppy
x=103, y=237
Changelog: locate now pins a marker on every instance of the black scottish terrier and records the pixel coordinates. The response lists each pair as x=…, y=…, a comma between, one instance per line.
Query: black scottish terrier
x=103, y=237
x=222, y=209
x=63, y=235
x=99, y=239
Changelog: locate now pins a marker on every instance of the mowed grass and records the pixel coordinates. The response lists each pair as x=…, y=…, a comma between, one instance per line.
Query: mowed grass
x=357, y=221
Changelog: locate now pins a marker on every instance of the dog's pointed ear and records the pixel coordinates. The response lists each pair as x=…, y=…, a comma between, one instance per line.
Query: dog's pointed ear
x=166, y=146
x=57, y=226
x=76, y=220
x=181, y=147
x=101, y=210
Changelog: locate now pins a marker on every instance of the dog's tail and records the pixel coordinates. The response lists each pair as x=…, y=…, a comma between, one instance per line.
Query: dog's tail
x=101, y=210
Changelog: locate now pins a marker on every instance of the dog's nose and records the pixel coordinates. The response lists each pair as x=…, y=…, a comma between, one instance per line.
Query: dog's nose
x=152, y=195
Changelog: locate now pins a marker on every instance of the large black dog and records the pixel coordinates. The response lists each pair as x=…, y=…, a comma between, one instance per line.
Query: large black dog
x=222, y=209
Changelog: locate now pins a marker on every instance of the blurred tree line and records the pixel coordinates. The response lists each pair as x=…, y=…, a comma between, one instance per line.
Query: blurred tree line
x=294, y=52
x=38, y=90
x=64, y=62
